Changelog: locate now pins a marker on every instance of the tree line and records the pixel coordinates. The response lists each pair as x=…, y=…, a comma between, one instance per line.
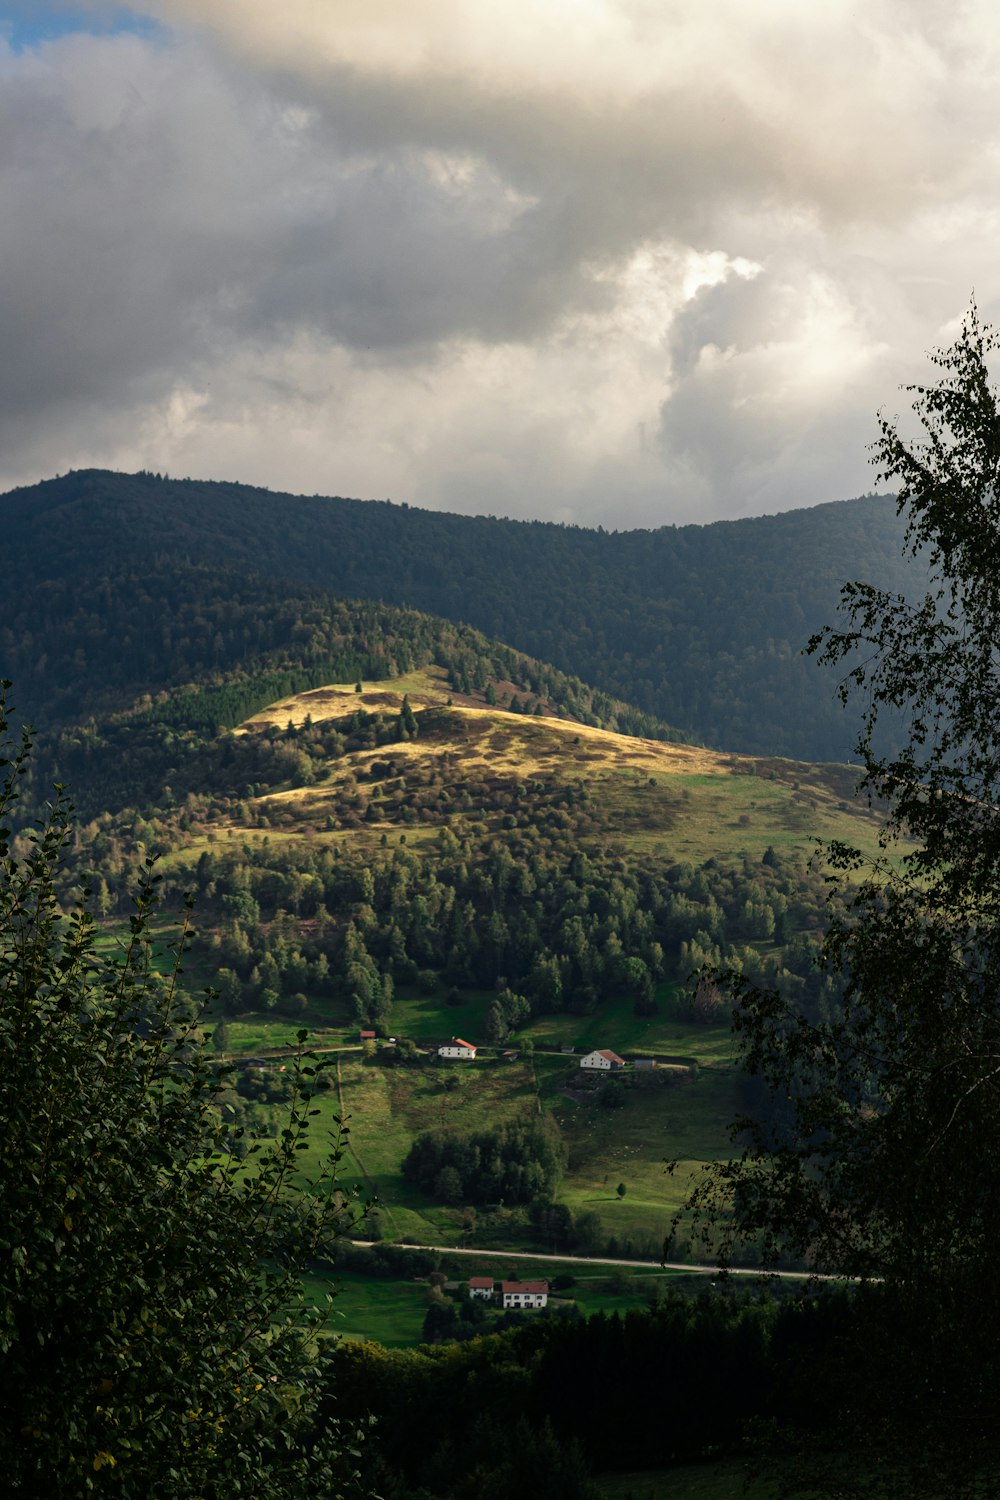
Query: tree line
x=294, y=929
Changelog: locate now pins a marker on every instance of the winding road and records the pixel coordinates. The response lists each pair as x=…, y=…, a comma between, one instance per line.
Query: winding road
x=606, y=1260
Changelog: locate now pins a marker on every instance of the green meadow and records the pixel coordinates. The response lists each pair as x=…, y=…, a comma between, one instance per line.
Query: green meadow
x=370, y=1307
x=680, y=802
x=666, y=1113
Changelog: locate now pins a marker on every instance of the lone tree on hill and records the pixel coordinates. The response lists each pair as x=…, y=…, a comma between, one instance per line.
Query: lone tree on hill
x=880, y=1156
x=153, y=1337
x=407, y=720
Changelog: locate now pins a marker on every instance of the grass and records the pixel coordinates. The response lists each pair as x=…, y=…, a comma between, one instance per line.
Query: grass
x=112, y=941
x=426, y=1018
x=392, y=1312
x=387, y=1108
x=676, y=802
x=708, y=1481
x=370, y=1307
x=616, y=1026
x=379, y=1137
x=662, y=1115
x=660, y=1118
x=339, y=698
x=621, y=1292
x=254, y=1034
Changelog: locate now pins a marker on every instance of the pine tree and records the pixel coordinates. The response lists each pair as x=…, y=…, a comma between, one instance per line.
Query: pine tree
x=408, y=727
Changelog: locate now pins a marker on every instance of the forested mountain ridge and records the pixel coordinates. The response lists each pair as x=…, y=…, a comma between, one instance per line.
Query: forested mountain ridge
x=701, y=626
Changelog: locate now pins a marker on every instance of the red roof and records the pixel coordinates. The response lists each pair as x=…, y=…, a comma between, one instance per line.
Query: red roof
x=481, y=1282
x=611, y=1056
x=536, y=1288
x=456, y=1041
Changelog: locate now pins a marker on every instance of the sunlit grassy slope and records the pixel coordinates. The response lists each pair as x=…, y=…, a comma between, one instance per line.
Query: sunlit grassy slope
x=678, y=801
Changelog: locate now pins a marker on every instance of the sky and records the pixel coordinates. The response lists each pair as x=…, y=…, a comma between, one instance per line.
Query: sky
x=626, y=263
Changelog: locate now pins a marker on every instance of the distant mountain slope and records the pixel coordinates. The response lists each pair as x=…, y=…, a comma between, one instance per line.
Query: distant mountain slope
x=700, y=626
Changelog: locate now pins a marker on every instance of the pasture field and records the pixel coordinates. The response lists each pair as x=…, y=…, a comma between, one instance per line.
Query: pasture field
x=249, y=1034
x=386, y=1108
x=425, y=1018
x=336, y=699
x=111, y=941
x=371, y=1307
x=666, y=1113
x=617, y=1027
x=622, y=1291
x=663, y=1116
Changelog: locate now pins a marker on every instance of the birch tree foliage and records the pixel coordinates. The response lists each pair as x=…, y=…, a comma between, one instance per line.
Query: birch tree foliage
x=873, y=1149
x=152, y=1332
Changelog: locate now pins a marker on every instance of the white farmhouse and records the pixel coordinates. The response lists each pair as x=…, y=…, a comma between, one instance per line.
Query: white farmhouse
x=524, y=1293
x=457, y=1048
x=481, y=1286
x=605, y=1061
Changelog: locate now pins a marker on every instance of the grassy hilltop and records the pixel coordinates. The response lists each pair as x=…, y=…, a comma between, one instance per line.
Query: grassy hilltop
x=668, y=800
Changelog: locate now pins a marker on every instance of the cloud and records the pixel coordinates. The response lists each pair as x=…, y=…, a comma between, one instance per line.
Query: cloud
x=619, y=261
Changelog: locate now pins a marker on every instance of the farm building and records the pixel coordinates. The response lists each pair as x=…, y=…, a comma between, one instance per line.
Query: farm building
x=605, y=1061
x=457, y=1048
x=524, y=1293
x=481, y=1286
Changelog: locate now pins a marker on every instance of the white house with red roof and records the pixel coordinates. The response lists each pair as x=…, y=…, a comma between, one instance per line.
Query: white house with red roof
x=481, y=1286
x=524, y=1293
x=457, y=1048
x=604, y=1061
